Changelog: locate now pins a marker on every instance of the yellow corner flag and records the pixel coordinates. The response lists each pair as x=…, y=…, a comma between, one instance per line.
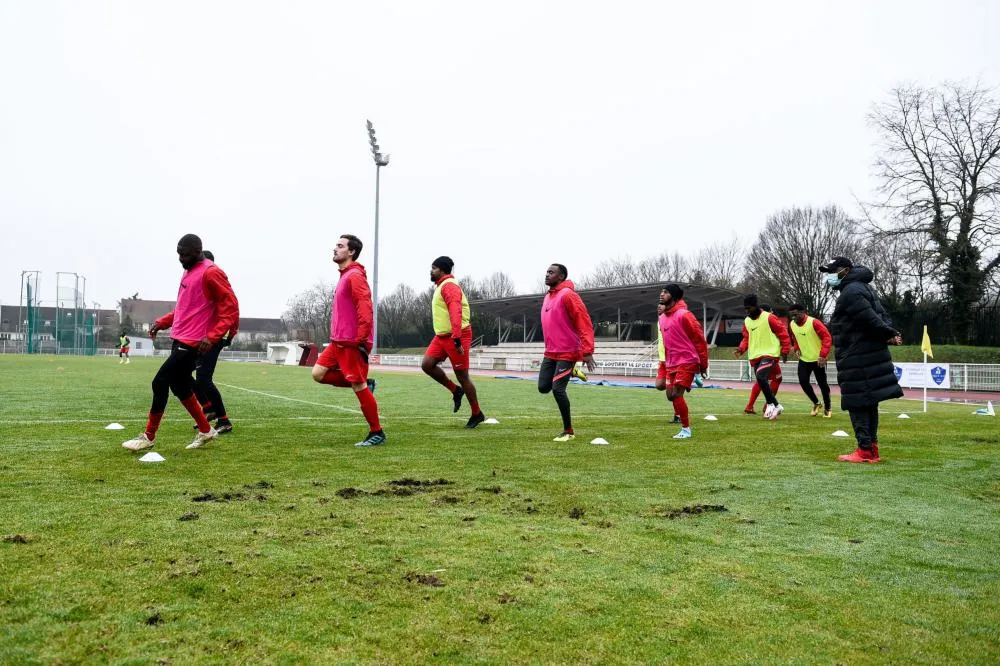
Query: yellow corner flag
x=925, y=345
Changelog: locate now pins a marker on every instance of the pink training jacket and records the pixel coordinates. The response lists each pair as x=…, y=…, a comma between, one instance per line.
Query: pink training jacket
x=194, y=315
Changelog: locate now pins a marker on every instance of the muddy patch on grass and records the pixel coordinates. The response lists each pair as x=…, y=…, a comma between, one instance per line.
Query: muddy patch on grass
x=405, y=487
x=227, y=497
x=423, y=579
x=260, y=485
x=576, y=513
x=190, y=515
x=691, y=510
x=154, y=620
x=350, y=493
x=17, y=538
x=496, y=490
x=421, y=484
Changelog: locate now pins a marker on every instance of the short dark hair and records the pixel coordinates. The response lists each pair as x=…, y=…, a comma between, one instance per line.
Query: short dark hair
x=191, y=241
x=563, y=270
x=674, y=290
x=751, y=301
x=208, y=255
x=354, y=244
x=796, y=306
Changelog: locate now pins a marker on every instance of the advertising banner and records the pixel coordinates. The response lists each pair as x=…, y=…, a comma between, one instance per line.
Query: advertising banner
x=923, y=375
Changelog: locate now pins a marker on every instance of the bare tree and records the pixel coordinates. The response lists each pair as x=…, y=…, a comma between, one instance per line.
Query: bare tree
x=939, y=164
x=308, y=313
x=781, y=266
x=721, y=264
x=395, y=313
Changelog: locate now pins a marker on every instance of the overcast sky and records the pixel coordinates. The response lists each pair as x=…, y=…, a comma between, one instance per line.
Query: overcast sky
x=521, y=133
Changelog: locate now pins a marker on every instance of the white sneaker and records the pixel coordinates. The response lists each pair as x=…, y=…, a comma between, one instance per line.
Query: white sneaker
x=127, y=361
x=138, y=443
x=202, y=437
x=120, y=361
x=768, y=409
x=685, y=433
x=775, y=411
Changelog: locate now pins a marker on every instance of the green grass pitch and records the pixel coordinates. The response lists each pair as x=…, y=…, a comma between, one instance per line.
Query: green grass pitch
x=283, y=543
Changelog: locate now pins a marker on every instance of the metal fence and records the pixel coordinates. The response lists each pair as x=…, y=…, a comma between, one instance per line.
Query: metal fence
x=964, y=376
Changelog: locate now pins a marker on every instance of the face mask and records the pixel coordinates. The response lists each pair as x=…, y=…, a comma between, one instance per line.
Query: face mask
x=833, y=280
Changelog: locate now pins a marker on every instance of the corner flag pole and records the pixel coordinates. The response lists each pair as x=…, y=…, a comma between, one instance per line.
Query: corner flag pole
x=925, y=347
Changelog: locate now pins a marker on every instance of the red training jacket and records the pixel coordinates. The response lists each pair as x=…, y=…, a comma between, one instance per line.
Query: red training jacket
x=692, y=329
x=216, y=287
x=580, y=318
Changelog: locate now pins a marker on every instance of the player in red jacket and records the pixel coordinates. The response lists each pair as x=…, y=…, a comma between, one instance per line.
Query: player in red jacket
x=206, y=310
x=344, y=362
x=569, y=338
x=812, y=342
x=766, y=338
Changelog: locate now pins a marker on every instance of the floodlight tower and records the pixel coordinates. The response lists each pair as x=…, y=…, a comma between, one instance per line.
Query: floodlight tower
x=380, y=161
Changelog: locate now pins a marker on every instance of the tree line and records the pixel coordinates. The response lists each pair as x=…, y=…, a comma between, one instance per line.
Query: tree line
x=931, y=235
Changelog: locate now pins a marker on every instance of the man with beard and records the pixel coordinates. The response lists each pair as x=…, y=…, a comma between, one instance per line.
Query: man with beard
x=569, y=338
x=452, y=338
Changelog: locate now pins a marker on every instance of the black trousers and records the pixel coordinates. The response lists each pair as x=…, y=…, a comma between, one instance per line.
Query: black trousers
x=174, y=375
x=807, y=368
x=204, y=384
x=553, y=376
x=865, y=424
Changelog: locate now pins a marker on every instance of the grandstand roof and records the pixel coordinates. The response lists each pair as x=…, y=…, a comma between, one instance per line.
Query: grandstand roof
x=635, y=302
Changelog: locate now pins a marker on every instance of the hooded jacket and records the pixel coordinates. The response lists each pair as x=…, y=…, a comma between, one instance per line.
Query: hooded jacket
x=566, y=324
x=351, y=314
x=861, y=330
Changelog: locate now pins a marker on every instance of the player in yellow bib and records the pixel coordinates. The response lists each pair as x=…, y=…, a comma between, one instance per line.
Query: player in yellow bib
x=812, y=342
x=452, y=339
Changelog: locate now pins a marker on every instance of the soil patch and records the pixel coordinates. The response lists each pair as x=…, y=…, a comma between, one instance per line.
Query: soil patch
x=260, y=485
x=227, y=497
x=692, y=510
x=423, y=579
x=421, y=484
x=190, y=515
x=576, y=513
x=16, y=538
x=350, y=493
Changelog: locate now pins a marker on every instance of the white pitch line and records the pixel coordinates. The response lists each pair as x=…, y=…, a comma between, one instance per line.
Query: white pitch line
x=285, y=397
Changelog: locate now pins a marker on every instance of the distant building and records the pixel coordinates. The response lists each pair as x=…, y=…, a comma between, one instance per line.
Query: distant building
x=137, y=315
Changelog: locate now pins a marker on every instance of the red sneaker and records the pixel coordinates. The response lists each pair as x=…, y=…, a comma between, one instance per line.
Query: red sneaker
x=749, y=411
x=861, y=456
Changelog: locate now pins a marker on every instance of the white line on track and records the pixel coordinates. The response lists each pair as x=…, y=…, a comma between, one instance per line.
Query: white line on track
x=285, y=397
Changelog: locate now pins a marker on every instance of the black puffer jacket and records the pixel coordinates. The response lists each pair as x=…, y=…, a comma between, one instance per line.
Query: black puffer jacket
x=861, y=330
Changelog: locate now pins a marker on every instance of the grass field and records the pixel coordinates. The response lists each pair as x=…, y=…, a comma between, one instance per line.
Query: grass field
x=283, y=543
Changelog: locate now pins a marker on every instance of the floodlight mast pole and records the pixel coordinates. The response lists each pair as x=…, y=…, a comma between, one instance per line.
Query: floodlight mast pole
x=380, y=161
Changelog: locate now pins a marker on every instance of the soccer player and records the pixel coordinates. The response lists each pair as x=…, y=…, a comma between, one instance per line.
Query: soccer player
x=205, y=389
x=686, y=351
x=766, y=339
x=206, y=309
x=661, y=367
x=812, y=343
x=569, y=337
x=862, y=332
x=344, y=362
x=123, y=343
x=452, y=338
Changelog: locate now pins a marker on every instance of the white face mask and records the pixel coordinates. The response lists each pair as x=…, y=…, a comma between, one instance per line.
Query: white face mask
x=833, y=280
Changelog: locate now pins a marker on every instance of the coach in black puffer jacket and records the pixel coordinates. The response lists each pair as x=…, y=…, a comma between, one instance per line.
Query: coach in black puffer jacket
x=862, y=332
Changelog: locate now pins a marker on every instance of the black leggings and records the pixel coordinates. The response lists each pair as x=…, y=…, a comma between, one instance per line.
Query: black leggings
x=807, y=368
x=174, y=375
x=865, y=423
x=204, y=387
x=553, y=377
